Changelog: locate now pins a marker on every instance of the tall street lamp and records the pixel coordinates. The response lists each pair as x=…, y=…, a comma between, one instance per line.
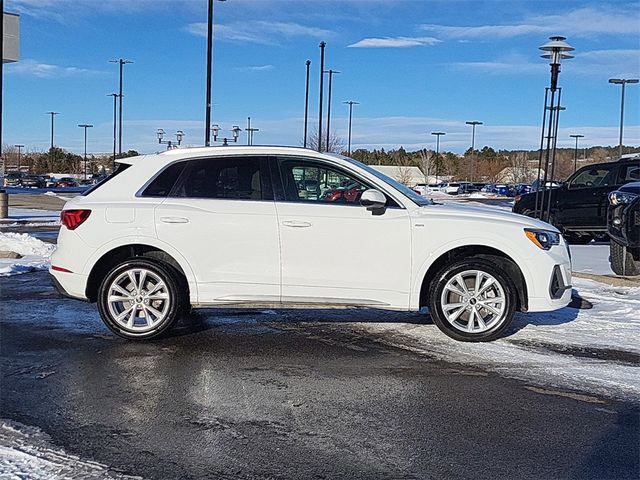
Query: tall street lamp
x=53, y=114
x=121, y=62
x=556, y=51
x=623, y=82
x=306, y=104
x=19, y=147
x=322, y=47
x=85, y=126
x=351, y=103
x=169, y=143
x=575, y=153
x=473, y=144
x=330, y=72
x=115, y=98
x=437, y=134
x=207, y=120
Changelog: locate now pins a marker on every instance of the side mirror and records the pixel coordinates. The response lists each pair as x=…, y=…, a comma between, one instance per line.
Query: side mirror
x=374, y=200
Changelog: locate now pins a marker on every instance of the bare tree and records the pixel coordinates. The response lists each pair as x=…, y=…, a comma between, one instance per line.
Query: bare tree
x=336, y=143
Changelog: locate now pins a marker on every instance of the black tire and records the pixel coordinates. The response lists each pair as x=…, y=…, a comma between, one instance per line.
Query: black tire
x=441, y=280
x=577, y=239
x=622, y=262
x=176, y=299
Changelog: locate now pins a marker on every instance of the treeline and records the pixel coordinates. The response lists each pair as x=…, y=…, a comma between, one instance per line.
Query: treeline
x=486, y=163
x=57, y=160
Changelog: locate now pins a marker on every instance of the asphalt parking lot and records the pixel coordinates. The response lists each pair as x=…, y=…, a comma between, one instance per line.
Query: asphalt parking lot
x=288, y=394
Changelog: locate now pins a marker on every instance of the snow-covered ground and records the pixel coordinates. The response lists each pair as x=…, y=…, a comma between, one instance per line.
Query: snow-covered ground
x=592, y=258
x=27, y=453
x=591, y=350
x=32, y=214
x=34, y=253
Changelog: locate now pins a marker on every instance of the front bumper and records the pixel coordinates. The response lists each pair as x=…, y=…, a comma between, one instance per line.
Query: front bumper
x=627, y=230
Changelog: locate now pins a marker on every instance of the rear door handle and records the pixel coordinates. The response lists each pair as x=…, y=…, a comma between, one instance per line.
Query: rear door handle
x=174, y=220
x=296, y=223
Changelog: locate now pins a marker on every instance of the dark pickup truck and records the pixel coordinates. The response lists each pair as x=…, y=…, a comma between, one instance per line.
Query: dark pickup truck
x=579, y=205
x=623, y=227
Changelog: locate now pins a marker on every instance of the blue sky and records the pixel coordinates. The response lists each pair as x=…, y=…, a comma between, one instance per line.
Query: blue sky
x=414, y=66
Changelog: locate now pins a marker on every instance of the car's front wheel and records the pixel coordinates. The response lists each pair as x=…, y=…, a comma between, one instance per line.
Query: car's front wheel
x=140, y=299
x=472, y=300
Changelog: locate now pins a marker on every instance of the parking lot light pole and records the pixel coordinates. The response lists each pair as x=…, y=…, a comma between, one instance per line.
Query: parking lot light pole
x=437, y=134
x=207, y=120
x=473, y=143
x=85, y=126
x=115, y=98
x=322, y=47
x=623, y=82
x=53, y=114
x=121, y=62
x=330, y=72
x=306, y=104
x=351, y=103
x=19, y=147
x=575, y=153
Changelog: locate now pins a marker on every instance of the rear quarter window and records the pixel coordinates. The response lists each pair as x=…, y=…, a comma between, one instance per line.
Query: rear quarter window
x=121, y=167
x=163, y=183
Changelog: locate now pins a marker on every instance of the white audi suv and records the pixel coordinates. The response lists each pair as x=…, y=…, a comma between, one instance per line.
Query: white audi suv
x=254, y=226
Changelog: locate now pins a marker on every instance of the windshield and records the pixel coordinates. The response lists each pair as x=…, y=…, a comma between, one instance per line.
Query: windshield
x=406, y=191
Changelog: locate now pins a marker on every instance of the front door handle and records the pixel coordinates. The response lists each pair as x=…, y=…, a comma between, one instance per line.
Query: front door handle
x=174, y=220
x=296, y=223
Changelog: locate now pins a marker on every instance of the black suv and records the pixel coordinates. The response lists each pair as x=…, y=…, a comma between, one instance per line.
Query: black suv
x=579, y=205
x=623, y=227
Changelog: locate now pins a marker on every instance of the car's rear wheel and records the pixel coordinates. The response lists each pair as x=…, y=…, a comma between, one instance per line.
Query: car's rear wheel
x=622, y=261
x=472, y=300
x=140, y=299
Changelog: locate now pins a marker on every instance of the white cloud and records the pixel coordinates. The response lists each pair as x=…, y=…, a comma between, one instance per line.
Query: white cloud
x=586, y=21
x=259, y=32
x=394, y=42
x=38, y=69
x=602, y=63
x=255, y=68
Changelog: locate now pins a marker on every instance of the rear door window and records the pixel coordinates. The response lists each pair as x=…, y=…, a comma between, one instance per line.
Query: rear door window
x=232, y=178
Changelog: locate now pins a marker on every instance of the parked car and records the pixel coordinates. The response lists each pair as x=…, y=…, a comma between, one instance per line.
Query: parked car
x=579, y=206
x=623, y=227
x=66, y=182
x=452, y=187
x=51, y=182
x=466, y=188
x=421, y=188
x=227, y=226
x=32, y=181
x=501, y=189
x=13, y=179
x=520, y=189
x=535, y=185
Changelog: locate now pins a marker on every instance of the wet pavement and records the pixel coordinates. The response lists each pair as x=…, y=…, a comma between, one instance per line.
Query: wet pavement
x=279, y=394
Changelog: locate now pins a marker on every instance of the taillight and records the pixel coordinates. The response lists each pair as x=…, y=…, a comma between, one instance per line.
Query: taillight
x=518, y=198
x=72, y=219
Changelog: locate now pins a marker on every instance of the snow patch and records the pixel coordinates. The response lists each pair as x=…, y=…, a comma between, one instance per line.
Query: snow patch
x=35, y=253
x=27, y=452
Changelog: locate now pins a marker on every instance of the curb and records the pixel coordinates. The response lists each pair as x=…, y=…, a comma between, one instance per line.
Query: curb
x=612, y=280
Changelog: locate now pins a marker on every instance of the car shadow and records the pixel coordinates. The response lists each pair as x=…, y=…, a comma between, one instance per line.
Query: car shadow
x=557, y=317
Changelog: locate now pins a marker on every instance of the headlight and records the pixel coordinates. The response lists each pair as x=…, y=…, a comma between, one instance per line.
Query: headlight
x=619, y=198
x=544, y=239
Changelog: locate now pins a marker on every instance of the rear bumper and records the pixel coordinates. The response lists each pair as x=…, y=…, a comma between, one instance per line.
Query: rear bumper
x=70, y=285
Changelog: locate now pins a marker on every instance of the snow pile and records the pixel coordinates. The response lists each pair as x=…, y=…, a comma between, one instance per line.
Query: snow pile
x=26, y=452
x=35, y=253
